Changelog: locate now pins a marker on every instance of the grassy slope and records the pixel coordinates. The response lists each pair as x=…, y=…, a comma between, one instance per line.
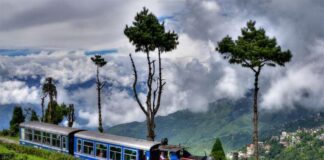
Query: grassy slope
x=28, y=153
x=5, y=151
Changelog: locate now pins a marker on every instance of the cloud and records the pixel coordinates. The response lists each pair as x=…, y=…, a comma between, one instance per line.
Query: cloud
x=71, y=24
x=301, y=86
x=17, y=92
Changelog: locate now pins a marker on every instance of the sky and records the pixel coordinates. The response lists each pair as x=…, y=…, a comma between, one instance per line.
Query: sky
x=41, y=38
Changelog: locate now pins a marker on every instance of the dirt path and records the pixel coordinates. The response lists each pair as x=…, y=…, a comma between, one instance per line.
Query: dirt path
x=6, y=140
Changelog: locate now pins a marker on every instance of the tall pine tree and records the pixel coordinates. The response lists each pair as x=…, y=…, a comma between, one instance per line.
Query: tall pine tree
x=253, y=50
x=147, y=35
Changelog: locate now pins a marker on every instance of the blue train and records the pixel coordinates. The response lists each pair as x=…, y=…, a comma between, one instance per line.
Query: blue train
x=89, y=145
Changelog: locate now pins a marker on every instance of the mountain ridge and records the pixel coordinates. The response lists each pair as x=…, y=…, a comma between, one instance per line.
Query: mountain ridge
x=229, y=120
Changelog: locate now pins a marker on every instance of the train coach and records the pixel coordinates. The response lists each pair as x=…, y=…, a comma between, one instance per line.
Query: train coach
x=47, y=136
x=90, y=145
x=94, y=145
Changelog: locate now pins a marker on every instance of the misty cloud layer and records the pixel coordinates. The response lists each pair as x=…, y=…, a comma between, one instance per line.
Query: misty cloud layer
x=196, y=75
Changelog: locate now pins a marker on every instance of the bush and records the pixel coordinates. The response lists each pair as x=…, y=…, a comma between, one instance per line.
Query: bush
x=5, y=132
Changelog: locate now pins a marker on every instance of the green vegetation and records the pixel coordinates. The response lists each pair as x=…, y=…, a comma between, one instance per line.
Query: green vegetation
x=253, y=50
x=217, y=151
x=17, y=118
x=17, y=152
x=7, y=136
x=309, y=147
x=49, y=89
x=33, y=116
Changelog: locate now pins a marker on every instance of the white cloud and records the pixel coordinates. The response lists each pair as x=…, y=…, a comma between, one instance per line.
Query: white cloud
x=17, y=92
x=211, y=5
x=301, y=85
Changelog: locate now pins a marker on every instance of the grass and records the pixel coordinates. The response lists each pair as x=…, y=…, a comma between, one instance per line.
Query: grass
x=14, y=138
x=18, y=152
x=6, y=153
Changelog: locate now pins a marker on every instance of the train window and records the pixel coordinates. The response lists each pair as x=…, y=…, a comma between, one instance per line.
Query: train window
x=38, y=136
x=56, y=140
x=115, y=153
x=101, y=150
x=129, y=154
x=46, y=138
x=79, y=145
x=88, y=148
x=64, y=142
x=29, y=134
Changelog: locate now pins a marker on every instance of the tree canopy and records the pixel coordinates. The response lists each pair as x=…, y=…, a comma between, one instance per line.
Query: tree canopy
x=98, y=60
x=17, y=118
x=33, y=116
x=253, y=49
x=147, y=34
x=217, y=151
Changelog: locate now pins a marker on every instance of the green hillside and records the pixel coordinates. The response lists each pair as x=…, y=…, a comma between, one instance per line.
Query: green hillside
x=228, y=120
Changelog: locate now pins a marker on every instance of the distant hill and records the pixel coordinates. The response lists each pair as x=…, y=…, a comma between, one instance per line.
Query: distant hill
x=228, y=120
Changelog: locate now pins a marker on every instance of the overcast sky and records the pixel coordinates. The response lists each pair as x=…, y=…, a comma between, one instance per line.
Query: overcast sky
x=61, y=32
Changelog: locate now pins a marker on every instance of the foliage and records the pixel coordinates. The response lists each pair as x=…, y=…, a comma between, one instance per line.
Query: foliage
x=49, y=89
x=253, y=49
x=147, y=35
x=310, y=147
x=17, y=118
x=217, y=151
x=57, y=114
x=34, y=116
x=98, y=61
x=18, y=152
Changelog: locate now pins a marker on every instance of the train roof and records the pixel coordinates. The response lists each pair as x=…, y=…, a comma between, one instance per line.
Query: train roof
x=51, y=128
x=117, y=140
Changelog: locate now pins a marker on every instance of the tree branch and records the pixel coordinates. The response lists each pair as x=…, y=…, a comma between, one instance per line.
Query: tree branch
x=249, y=65
x=134, y=86
x=149, y=84
x=154, y=94
x=160, y=86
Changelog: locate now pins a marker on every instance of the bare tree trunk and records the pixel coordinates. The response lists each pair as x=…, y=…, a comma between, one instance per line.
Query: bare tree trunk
x=149, y=111
x=150, y=116
x=99, y=86
x=152, y=104
x=71, y=115
x=256, y=116
x=50, y=109
x=42, y=103
x=150, y=128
